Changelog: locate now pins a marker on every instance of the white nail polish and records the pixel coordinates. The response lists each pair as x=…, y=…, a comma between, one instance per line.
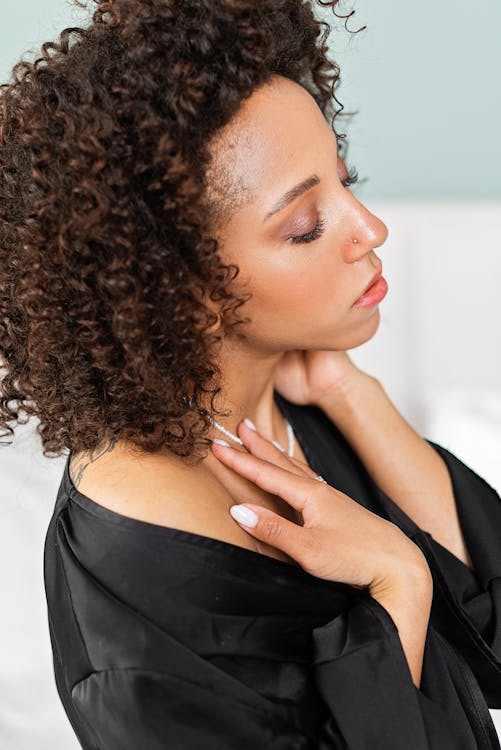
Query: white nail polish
x=250, y=424
x=244, y=515
x=277, y=445
x=220, y=442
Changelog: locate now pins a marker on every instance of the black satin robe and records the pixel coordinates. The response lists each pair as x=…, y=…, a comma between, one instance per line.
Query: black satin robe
x=164, y=639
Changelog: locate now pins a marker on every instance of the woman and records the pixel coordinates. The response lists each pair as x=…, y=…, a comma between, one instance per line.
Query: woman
x=355, y=603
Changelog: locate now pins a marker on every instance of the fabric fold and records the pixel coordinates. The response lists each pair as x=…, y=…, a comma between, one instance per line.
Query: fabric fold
x=136, y=708
x=360, y=665
x=166, y=638
x=466, y=603
x=361, y=670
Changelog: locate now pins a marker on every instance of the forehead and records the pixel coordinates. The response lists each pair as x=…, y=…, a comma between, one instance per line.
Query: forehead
x=278, y=133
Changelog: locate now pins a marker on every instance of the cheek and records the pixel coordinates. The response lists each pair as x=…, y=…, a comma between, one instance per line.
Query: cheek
x=297, y=284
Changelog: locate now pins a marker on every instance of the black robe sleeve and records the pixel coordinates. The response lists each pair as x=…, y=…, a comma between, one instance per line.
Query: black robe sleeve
x=184, y=701
x=154, y=710
x=467, y=603
x=166, y=639
x=147, y=689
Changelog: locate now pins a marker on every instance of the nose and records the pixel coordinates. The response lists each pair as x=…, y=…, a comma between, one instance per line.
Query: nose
x=365, y=234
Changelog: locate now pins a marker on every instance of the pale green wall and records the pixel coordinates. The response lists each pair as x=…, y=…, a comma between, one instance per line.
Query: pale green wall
x=424, y=77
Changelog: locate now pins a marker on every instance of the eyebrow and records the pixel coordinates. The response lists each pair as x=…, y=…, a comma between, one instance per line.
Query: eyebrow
x=292, y=194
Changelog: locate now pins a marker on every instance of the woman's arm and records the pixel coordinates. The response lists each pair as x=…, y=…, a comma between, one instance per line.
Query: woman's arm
x=399, y=460
x=409, y=605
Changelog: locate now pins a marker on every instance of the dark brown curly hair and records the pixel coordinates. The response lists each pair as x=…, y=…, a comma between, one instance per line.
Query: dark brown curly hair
x=105, y=251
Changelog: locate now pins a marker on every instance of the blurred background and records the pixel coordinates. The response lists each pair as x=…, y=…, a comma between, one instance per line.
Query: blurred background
x=426, y=136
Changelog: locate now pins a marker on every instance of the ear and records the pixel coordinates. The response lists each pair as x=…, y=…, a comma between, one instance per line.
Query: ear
x=215, y=327
x=202, y=296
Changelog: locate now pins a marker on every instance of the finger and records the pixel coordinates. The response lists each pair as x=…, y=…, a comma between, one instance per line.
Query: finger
x=300, y=464
x=260, y=447
x=294, y=488
x=273, y=529
x=303, y=466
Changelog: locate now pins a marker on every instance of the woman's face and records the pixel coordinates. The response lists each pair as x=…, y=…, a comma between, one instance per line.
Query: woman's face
x=303, y=291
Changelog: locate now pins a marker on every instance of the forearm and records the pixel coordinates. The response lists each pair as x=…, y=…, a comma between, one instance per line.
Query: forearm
x=409, y=607
x=399, y=460
x=412, y=633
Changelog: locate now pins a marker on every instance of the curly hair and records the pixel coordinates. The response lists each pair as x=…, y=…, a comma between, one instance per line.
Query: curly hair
x=106, y=252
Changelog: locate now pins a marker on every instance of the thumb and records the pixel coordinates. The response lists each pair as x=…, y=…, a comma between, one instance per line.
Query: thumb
x=271, y=528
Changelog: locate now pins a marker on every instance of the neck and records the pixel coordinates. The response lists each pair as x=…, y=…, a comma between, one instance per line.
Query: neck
x=247, y=391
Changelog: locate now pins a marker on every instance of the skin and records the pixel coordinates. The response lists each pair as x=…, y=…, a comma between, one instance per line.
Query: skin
x=257, y=158
x=302, y=294
x=302, y=310
x=323, y=277
x=303, y=297
x=262, y=155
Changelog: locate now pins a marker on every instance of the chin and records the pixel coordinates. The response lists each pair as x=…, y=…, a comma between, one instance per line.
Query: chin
x=366, y=329
x=357, y=334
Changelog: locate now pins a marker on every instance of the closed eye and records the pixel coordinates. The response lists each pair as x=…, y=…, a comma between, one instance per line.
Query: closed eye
x=351, y=179
x=314, y=234
x=318, y=229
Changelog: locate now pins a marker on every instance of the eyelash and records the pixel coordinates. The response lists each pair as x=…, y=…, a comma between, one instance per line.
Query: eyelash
x=313, y=235
x=351, y=179
x=317, y=231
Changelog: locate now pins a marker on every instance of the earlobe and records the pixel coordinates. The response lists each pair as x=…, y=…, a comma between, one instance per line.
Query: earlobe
x=215, y=326
x=204, y=299
x=212, y=328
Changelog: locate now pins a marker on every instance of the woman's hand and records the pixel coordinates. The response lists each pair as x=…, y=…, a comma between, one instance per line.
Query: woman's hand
x=340, y=540
x=311, y=376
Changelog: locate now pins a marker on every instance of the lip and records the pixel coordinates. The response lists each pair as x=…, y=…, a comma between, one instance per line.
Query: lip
x=372, y=281
x=374, y=292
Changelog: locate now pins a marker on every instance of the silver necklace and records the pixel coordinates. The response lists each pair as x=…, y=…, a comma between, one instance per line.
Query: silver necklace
x=290, y=436
x=236, y=439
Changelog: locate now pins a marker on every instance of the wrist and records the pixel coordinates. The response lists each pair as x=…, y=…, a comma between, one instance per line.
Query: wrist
x=405, y=591
x=347, y=394
x=415, y=580
x=413, y=583
x=405, y=570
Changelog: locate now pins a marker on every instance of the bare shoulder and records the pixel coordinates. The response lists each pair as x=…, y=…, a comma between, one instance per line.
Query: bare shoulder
x=159, y=489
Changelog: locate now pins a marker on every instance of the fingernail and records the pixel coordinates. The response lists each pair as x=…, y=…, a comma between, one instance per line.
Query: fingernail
x=277, y=445
x=250, y=424
x=244, y=515
x=221, y=442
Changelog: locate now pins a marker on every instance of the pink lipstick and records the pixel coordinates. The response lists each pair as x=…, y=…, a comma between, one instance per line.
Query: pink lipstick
x=374, y=294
